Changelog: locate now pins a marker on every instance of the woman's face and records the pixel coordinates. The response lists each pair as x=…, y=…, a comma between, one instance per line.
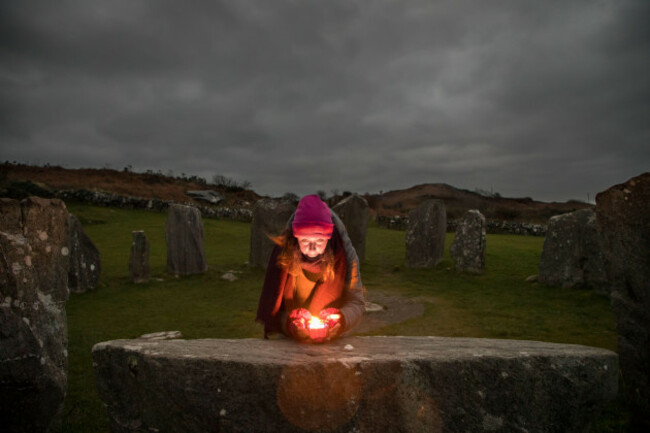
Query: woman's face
x=312, y=246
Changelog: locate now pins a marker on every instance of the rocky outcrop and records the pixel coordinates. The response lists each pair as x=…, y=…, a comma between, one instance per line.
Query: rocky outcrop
x=34, y=263
x=139, y=267
x=85, y=260
x=468, y=246
x=185, y=241
x=269, y=219
x=355, y=213
x=355, y=384
x=425, y=234
x=572, y=256
x=623, y=221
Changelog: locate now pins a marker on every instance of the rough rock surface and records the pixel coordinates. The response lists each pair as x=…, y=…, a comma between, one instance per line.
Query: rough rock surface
x=139, y=267
x=623, y=220
x=34, y=261
x=85, y=261
x=185, y=241
x=425, y=234
x=355, y=213
x=468, y=246
x=269, y=219
x=572, y=255
x=360, y=384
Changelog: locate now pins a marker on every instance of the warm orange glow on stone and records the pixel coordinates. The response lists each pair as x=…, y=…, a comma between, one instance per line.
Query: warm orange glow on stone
x=320, y=396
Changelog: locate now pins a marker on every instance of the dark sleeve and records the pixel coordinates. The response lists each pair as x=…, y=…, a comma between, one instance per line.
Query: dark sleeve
x=271, y=296
x=353, y=305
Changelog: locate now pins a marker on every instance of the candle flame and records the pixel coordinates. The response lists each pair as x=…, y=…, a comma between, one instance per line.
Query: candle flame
x=316, y=323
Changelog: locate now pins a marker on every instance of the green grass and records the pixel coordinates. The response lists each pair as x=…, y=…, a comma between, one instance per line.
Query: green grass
x=497, y=304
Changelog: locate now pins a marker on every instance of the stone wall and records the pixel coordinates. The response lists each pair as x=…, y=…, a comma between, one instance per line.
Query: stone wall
x=120, y=201
x=246, y=215
x=492, y=226
x=356, y=384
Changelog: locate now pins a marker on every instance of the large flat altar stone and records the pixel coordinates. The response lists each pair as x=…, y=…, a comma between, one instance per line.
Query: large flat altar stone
x=355, y=384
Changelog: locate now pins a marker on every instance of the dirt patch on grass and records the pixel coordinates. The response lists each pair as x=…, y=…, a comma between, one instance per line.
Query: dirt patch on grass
x=395, y=309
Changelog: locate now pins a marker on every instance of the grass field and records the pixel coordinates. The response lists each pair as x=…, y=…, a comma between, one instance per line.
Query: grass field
x=498, y=304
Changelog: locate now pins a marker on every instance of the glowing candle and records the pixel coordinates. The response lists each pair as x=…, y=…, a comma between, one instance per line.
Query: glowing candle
x=317, y=328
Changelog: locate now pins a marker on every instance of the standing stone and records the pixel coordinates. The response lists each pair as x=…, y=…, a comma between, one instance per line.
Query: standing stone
x=185, y=244
x=623, y=222
x=571, y=256
x=85, y=262
x=425, y=234
x=139, y=262
x=468, y=247
x=34, y=263
x=354, y=212
x=269, y=219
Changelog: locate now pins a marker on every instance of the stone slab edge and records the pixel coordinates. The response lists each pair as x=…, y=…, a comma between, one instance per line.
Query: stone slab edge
x=435, y=382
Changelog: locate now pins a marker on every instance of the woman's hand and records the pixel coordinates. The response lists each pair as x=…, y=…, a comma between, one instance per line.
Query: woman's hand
x=297, y=323
x=334, y=331
x=334, y=320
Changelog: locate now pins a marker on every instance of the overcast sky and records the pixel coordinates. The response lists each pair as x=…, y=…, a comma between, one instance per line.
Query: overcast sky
x=546, y=99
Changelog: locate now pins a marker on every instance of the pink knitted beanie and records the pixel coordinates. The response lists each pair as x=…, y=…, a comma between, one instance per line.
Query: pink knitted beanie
x=312, y=218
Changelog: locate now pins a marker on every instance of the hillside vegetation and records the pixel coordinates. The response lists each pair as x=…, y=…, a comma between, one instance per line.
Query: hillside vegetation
x=169, y=187
x=125, y=182
x=457, y=201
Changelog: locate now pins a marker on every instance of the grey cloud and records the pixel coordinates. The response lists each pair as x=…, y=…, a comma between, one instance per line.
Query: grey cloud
x=548, y=99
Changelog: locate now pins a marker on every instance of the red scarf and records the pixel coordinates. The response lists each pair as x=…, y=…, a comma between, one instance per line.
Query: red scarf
x=279, y=287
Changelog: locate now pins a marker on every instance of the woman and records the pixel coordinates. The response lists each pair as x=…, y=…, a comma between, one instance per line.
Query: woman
x=312, y=272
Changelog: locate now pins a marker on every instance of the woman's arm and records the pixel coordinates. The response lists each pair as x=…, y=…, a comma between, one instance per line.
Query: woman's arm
x=354, y=304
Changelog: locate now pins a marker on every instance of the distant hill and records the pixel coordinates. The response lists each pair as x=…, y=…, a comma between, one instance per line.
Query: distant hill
x=125, y=182
x=457, y=201
x=41, y=180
